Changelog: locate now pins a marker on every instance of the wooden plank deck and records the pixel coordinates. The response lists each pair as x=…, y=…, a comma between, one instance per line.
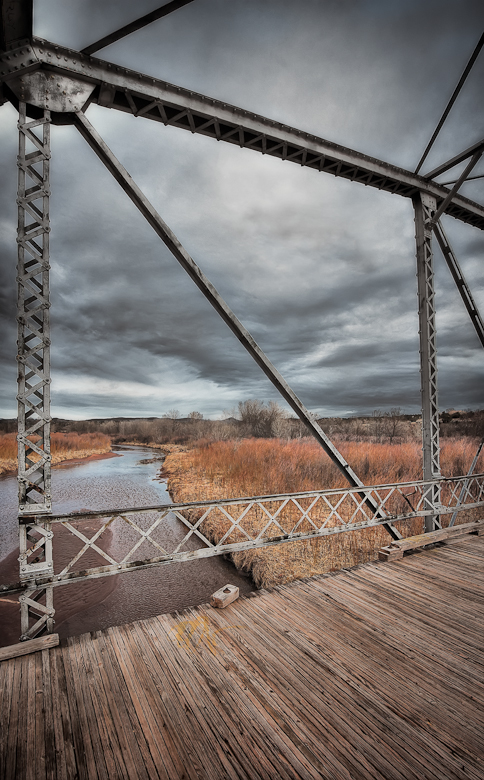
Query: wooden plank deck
x=377, y=672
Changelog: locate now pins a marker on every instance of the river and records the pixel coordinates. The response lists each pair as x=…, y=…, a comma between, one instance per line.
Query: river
x=121, y=481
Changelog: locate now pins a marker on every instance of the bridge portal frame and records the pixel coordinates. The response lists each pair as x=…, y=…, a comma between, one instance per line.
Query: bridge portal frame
x=48, y=84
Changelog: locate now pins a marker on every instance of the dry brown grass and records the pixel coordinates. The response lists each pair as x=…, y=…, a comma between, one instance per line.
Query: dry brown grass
x=64, y=446
x=230, y=469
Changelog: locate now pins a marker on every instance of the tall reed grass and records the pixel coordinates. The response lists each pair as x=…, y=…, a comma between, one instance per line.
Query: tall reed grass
x=230, y=469
x=64, y=446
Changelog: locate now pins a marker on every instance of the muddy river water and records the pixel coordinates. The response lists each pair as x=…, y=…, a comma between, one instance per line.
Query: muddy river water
x=121, y=481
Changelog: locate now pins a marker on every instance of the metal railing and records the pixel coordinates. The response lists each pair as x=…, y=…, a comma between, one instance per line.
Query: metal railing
x=237, y=524
x=209, y=528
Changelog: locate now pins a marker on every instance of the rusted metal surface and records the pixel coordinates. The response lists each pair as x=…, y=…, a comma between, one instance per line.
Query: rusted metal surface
x=51, y=91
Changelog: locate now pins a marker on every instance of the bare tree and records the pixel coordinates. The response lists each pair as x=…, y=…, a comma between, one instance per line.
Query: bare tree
x=261, y=420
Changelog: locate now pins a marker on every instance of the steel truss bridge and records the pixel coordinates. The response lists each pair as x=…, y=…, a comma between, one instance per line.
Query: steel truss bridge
x=51, y=84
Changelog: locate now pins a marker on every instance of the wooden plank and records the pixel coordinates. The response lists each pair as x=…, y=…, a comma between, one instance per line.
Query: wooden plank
x=32, y=762
x=434, y=682
x=135, y=732
x=307, y=682
x=195, y=729
x=186, y=739
x=29, y=646
x=294, y=733
x=81, y=718
x=48, y=719
x=6, y=672
x=22, y=695
x=153, y=757
x=245, y=725
x=106, y=683
x=149, y=706
x=408, y=745
x=404, y=674
x=64, y=753
x=100, y=729
x=396, y=549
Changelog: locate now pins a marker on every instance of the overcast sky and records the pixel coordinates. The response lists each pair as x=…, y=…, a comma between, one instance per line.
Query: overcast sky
x=320, y=270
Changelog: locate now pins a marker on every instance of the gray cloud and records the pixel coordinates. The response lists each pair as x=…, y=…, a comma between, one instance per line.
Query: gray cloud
x=321, y=270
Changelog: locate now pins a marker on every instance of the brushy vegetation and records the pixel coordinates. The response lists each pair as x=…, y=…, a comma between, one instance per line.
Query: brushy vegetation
x=225, y=469
x=64, y=446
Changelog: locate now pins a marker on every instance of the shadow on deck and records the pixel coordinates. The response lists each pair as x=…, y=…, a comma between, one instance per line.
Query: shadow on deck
x=371, y=673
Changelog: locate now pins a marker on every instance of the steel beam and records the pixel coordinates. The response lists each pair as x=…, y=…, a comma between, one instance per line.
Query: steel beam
x=478, y=147
x=15, y=23
x=459, y=279
x=138, y=24
x=206, y=287
x=140, y=95
x=460, y=181
x=425, y=207
x=33, y=314
x=452, y=100
x=34, y=459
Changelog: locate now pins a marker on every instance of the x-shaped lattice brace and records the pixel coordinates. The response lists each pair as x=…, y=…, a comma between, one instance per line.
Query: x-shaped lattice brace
x=33, y=314
x=36, y=618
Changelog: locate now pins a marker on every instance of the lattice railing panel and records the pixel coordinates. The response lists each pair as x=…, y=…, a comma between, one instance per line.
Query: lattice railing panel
x=123, y=540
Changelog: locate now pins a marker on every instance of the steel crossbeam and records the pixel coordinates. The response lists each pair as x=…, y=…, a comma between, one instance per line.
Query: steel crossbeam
x=254, y=523
x=129, y=91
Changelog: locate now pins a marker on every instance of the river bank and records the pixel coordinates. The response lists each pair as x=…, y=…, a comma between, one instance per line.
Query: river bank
x=65, y=448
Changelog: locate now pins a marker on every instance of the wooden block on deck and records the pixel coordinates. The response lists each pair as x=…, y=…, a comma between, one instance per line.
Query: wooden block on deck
x=390, y=553
x=223, y=597
x=29, y=646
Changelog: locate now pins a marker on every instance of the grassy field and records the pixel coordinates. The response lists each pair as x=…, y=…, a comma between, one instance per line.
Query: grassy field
x=64, y=446
x=229, y=469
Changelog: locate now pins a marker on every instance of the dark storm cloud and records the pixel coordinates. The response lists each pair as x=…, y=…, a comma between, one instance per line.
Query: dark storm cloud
x=321, y=270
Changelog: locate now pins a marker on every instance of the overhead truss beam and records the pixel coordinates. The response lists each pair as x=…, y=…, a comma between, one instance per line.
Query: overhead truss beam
x=137, y=94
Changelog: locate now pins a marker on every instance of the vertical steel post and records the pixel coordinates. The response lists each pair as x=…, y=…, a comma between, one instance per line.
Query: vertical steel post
x=33, y=358
x=425, y=207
